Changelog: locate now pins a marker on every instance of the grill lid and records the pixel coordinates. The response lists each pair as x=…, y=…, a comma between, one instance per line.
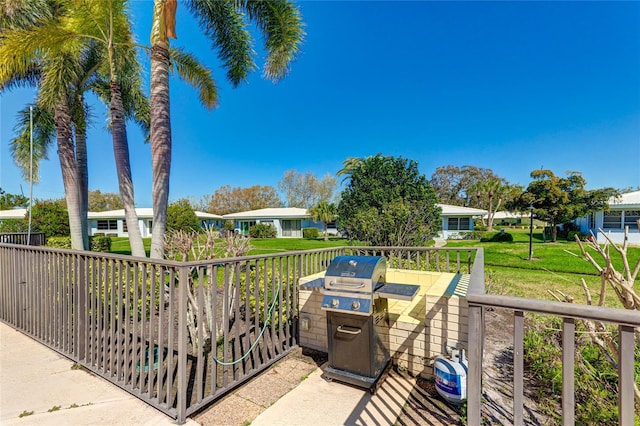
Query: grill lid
x=355, y=266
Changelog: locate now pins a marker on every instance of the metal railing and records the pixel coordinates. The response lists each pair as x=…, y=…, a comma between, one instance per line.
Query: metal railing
x=24, y=238
x=627, y=321
x=178, y=335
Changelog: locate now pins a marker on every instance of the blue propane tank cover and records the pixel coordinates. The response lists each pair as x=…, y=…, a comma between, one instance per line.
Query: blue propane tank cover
x=451, y=379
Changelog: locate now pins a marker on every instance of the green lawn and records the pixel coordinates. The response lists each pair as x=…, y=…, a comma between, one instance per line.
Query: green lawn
x=555, y=266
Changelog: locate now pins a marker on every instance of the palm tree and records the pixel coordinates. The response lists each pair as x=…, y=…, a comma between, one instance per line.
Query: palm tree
x=224, y=22
x=66, y=54
x=324, y=212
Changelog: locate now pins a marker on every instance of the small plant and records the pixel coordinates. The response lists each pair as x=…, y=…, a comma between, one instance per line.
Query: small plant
x=76, y=366
x=310, y=233
x=262, y=230
x=25, y=413
x=100, y=243
x=54, y=408
x=74, y=405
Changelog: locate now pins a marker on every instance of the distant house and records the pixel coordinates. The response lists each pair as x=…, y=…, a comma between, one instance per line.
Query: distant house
x=623, y=211
x=287, y=221
x=112, y=222
x=457, y=220
x=13, y=214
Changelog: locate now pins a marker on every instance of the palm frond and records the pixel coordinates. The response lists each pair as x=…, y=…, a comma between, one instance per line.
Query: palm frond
x=225, y=26
x=43, y=137
x=16, y=14
x=281, y=25
x=196, y=74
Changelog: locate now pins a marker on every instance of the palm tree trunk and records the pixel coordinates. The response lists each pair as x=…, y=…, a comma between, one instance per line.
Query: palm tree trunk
x=83, y=182
x=66, y=153
x=160, y=146
x=123, y=167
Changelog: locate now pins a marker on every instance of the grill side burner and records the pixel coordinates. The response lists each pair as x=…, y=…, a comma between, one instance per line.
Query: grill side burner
x=357, y=320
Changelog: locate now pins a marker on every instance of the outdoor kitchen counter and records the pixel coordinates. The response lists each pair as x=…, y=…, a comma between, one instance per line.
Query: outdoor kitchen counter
x=414, y=311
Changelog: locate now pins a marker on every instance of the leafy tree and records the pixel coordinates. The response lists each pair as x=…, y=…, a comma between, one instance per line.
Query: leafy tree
x=10, y=201
x=14, y=225
x=227, y=199
x=457, y=185
x=493, y=194
x=50, y=217
x=306, y=190
x=388, y=202
x=559, y=200
x=181, y=217
x=226, y=23
x=324, y=212
x=103, y=201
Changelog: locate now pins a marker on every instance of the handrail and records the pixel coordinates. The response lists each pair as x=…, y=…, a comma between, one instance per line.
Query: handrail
x=573, y=310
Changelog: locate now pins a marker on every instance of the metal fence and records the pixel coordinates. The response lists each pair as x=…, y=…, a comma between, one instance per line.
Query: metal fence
x=24, y=238
x=625, y=320
x=177, y=335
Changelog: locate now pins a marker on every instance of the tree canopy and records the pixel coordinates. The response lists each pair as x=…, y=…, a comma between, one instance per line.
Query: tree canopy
x=388, y=202
x=228, y=199
x=459, y=185
x=10, y=201
x=181, y=217
x=103, y=201
x=305, y=190
x=559, y=200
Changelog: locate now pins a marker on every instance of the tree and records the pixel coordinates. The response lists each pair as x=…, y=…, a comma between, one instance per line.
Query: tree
x=103, y=201
x=227, y=199
x=560, y=200
x=455, y=185
x=10, y=201
x=225, y=23
x=306, y=190
x=388, y=202
x=49, y=216
x=323, y=212
x=80, y=46
x=493, y=194
x=181, y=217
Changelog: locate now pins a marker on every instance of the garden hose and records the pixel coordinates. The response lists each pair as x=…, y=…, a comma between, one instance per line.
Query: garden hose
x=264, y=327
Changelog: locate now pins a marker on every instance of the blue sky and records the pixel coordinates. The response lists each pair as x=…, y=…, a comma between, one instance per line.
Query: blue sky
x=511, y=86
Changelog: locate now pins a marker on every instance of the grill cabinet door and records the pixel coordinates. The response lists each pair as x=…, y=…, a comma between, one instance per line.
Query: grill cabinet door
x=350, y=347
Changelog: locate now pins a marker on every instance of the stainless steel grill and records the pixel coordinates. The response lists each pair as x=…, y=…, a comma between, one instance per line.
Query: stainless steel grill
x=357, y=320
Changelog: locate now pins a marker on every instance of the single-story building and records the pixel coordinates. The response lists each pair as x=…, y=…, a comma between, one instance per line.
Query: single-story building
x=13, y=214
x=457, y=220
x=287, y=221
x=112, y=222
x=623, y=211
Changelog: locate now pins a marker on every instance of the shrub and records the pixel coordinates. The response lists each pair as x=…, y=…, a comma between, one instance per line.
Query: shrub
x=100, y=243
x=51, y=218
x=310, y=233
x=477, y=227
x=498, y=237
x=59, y=242
x=262, y=230
x=180, y=216
x=13, y=225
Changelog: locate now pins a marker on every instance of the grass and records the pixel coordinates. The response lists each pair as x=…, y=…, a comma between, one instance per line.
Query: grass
x=556, y=266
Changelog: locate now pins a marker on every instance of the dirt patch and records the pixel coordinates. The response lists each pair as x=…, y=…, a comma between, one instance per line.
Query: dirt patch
x=425, y=406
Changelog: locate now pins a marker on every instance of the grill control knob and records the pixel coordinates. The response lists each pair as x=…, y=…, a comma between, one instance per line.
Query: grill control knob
x=355, y=305
x=335, y=303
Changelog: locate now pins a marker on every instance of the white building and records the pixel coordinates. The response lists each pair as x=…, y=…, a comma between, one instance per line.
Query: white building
x=623, y=211
x=457, y=220
x=287, y=221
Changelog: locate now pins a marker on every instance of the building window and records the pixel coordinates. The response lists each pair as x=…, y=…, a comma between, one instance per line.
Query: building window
x=459, y=224
x=592, y=221
x=612, y=220
x=124, y=225
x=631, y=218
x=108, y=225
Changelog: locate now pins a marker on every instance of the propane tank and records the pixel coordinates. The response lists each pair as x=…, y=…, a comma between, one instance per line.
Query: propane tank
x=451, y=376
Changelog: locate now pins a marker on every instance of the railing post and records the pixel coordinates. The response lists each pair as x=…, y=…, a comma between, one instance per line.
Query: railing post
x=626, y=349
x=568, y=375
x=183, y=280
x=518, y=367
x=474, y=380
x=80, y=309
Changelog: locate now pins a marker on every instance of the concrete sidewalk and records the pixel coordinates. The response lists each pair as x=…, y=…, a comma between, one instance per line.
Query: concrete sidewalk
x=40, y=385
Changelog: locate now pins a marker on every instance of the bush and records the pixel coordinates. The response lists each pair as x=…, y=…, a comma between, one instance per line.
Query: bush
x=100, y=243
x=59, y=242
x=51, y=218
x=13, y=225
x=498, y=237
x=310, y=233
x=180, y=216
x=262, y=230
